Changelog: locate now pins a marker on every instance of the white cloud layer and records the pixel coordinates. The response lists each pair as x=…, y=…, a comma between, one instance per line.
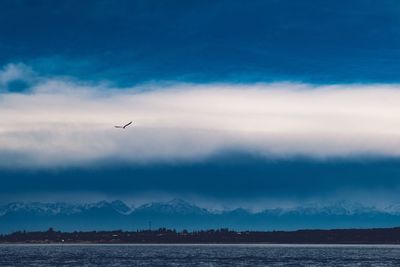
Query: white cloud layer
x=63, y=122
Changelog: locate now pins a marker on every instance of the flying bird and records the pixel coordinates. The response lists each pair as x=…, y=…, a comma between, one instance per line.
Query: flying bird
x=123, y=127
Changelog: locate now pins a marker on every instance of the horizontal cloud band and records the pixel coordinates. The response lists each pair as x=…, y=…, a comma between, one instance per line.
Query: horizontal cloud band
x=63, y=122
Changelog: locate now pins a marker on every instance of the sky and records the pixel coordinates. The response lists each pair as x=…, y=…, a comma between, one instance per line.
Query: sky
x=235, y=103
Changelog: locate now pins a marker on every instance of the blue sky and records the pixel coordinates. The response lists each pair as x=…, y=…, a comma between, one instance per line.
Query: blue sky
x=233, y=101
x=137, y=41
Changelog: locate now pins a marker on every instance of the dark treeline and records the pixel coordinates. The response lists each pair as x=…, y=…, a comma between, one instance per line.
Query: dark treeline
x=339, y=236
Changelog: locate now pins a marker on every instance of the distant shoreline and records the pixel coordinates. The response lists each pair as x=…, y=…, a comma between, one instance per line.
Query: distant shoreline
x=375, y=236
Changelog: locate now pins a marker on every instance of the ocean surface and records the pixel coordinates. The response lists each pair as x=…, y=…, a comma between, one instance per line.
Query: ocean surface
x=199, y=255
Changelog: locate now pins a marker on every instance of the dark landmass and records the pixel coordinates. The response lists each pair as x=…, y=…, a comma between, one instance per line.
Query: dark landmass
x=166, y=236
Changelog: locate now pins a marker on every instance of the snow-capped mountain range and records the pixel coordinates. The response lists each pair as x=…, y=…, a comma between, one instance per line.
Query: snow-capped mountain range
x=173, y=206
x=184, y=207
x=181, y=214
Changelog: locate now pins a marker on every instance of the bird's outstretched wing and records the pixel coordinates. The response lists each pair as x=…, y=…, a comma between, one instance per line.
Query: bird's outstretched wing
x=126, y=125
x=118, y=126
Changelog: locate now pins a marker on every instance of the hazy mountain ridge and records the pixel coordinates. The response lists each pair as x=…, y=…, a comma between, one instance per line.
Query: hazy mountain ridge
x=57, y=208
x=182, y=206
x=180, y=214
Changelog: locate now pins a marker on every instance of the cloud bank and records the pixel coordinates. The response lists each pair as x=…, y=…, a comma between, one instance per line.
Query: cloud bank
x=62, y=122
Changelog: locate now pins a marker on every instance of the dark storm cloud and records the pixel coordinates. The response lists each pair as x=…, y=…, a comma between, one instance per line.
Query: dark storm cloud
x=223, y=177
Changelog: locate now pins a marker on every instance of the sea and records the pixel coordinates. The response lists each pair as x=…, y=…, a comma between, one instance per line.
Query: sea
x=199, y=255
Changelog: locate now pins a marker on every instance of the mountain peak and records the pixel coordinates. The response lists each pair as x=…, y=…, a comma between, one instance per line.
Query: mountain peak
x=120, y=206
